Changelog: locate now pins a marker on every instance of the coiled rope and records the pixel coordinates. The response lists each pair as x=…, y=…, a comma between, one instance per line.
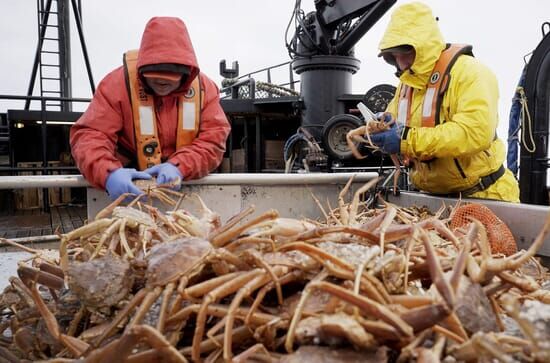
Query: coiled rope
x=526, y=123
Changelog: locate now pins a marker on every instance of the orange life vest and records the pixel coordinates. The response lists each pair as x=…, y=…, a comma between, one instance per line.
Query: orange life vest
x=148, y=146
x=438, y=83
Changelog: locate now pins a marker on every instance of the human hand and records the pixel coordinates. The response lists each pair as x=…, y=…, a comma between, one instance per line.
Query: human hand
x=166, y=173
x=120, y=182
x=384, y=116
x=390, y=140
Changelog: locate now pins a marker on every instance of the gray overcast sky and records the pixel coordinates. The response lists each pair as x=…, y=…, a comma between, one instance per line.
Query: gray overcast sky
x=252, y=32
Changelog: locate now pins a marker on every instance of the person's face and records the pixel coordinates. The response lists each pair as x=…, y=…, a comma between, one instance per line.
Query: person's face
x=404, y=61
x=161, y=86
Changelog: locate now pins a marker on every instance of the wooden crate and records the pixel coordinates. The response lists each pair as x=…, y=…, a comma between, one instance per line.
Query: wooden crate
x=32, y=198
x=225, y=166
x=239, y=165
x=58, y=196
x=274, y=154
x=274, y=149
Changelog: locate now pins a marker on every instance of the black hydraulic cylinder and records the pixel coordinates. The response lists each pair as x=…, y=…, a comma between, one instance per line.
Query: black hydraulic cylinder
x=323, y=79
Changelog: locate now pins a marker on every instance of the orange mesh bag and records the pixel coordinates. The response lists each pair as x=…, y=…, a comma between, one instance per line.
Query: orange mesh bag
x=500, y=236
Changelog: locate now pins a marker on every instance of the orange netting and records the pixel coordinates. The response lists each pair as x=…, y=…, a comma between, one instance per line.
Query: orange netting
x=500, y=236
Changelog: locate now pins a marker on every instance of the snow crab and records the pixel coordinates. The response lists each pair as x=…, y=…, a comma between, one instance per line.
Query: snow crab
x=362, y=284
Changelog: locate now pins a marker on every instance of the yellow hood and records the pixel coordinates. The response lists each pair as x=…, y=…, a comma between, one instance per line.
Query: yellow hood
x=414, y=24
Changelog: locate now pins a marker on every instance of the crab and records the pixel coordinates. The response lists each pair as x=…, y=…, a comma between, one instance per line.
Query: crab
x=102, y=282
x=31, y=278
x=392, y=278
x=362, y=135
x=170, y=265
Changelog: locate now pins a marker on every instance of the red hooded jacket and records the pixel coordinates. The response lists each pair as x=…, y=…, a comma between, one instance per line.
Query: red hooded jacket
x=107, y=124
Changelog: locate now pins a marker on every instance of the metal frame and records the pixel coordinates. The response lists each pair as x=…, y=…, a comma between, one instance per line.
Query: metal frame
x=291, y=195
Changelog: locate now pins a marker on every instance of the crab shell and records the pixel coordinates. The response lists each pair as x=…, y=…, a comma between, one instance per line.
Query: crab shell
x=168, y=261
x=101, y=282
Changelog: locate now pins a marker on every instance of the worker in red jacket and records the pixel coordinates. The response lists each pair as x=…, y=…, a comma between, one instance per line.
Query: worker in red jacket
x=157, y=113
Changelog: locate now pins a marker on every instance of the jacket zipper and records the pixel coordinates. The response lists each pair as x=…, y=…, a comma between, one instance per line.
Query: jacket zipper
x=460, y=170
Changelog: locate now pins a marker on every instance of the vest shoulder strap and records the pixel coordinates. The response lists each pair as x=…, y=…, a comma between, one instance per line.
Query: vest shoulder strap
x=189, y=113
x=148, y=147
x=439, y=82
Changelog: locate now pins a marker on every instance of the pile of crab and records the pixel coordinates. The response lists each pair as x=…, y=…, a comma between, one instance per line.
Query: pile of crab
x=365, y=284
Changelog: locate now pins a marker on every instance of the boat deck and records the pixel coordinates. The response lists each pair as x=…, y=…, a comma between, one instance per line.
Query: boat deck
x=33, y=223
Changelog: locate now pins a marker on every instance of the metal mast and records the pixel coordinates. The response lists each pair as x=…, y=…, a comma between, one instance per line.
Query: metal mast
x=52, y=61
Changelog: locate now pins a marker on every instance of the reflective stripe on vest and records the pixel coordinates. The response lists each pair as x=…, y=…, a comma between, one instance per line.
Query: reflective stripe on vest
x=438, y=84
x=148, y=148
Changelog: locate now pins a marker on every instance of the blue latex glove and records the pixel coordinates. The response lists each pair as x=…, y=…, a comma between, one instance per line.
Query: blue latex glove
x=389, y=141
x=384, y=116
x=120, y=182
x=165, y=173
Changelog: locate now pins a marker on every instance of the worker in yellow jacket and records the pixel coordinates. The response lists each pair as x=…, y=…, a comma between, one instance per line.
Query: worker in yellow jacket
x=446, y=111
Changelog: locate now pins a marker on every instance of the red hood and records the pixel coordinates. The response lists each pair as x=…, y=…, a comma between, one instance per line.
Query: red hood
x=166, y=40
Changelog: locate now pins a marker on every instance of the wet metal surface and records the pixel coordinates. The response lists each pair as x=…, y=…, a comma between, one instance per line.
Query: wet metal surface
x=8, y=266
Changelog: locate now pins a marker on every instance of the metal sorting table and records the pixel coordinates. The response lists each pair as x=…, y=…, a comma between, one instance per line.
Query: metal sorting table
x=291, y=195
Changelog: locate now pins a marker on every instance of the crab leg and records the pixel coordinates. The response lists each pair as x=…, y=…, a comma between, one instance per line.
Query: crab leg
x=251, y=354
x=22, y=290
x=397, y=163
x=341, y=269
x=204, y=287
x=239, y=334
x=365, y=304
x=344, y=213
x=379, y=329
x=223, y=238
x=513, y=262
x=28, y=274
x=52, y=269
x=123, y=241
x=214, y=295
x=257, y=259
x=99, y=355
x=221, y=311
x=460, y=265
x=8, y=356
x=292, y=276
x=20, y=246
x=148, y=300
x=289, y=341
x=121, y=315
x=319, y=232
x=436, y=272
x=425, y=316
x=165, y=299
x=256, y=240
x=210, y=333
x=84, y=231
x=108, y=210
x=449, y=334
x=233, y=221
x=76, y=346
x=106, y=234
x=354, y=206
x=158, y=342
x=391, y=212
x=246, y=290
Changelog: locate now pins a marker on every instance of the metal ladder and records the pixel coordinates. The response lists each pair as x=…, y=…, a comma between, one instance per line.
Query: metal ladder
x=52, y=57
x=49, y=57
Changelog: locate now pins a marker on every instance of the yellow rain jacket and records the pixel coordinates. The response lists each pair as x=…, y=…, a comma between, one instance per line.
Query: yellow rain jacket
x=462, y=148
